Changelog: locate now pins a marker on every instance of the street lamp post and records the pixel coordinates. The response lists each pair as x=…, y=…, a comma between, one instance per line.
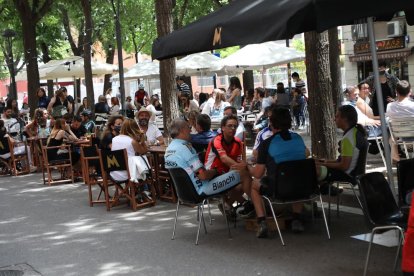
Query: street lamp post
x=8, y=34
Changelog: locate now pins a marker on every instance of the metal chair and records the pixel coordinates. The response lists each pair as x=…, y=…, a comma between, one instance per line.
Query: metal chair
x=402, y=132
x=187, y=194
x=358, y=170
x=295, y=182
x=380, y=209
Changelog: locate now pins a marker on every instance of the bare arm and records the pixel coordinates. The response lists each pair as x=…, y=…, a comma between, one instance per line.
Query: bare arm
x=235, y=93
x=257, y=171
x=342, y=165
x=51, y=103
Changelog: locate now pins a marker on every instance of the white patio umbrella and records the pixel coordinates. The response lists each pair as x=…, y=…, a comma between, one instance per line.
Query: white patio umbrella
x=145, y=70
x=262, y=56
x=74, y=67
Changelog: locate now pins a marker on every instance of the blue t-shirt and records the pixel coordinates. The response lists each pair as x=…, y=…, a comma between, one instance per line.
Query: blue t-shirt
x=275, y=150
x=203, y=137
x=180, y=154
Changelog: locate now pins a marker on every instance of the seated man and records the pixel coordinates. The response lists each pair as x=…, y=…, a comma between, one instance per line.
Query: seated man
x=224, y=152
x=283, y=146
x=11, y=124
x=77, y=128
x=402, y=107
x=180, y=154
x=353, y=141
x=231, y=110
x=87, y=122
x=204, y=133
x=153, y=134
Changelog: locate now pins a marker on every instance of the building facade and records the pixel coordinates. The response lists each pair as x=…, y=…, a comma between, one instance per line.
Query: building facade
x=395, y=44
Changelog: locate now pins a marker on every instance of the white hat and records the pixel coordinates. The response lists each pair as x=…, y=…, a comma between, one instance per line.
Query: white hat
x=141, y=86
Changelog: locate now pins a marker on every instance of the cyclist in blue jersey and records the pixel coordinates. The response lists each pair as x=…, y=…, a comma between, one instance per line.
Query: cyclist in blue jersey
x=180, y=154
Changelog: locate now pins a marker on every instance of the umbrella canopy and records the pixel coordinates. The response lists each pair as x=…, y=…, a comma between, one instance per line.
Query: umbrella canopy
x=201, y=62
x=145, y=70
x=262, y=56
x=73, y=67
x=244, y=22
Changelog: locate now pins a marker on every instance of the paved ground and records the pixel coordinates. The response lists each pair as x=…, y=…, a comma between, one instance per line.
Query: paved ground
x=54, y=231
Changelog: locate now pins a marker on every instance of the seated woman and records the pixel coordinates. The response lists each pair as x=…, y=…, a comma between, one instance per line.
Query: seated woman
x=18, y=149
x=132, y=139
x=217, y=109
x=38, y=120
x=60, y=132
x=115, y=106
x=113, y=128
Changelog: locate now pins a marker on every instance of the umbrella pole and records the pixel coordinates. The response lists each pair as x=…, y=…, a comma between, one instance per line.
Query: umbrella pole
x=201, y=79
x=378, y=94
x=263, y=78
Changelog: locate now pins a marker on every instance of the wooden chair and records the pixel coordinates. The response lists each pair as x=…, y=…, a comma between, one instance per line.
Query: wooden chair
x=15, y=164
x=112, y=161
x=92, y=175
x=60, y=165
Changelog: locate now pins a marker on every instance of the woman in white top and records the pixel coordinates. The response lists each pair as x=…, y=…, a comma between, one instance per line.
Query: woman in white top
x=132, y=139
x=114, y=106
x=151, y=108
x=108, y=96
x=217, y=110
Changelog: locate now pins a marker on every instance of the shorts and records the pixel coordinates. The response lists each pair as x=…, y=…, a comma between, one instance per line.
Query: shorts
x=220, y=184
x=332, y=175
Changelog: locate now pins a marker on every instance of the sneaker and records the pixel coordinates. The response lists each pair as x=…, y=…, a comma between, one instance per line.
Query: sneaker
x=147, y=194
x=262, y=230
x=297, y=226
x=248, y=210
x=33, y=169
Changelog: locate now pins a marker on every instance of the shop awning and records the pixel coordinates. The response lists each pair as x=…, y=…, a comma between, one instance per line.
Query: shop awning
x=393, y=54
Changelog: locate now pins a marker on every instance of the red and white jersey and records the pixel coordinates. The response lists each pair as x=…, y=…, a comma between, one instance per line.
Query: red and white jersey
x=217, y=148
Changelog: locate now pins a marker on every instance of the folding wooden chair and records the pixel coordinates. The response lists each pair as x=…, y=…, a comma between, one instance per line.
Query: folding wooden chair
x=92, y=175
x=14, y=164
x=112, y=161
x=19, y=160
x=60, y=165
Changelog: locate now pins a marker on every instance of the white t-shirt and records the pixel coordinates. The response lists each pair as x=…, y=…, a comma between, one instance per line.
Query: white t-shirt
x=108, y=99
x=122, y=142
x=207, y=106
x=152, y=133
x=153, y=111
x=397, y=109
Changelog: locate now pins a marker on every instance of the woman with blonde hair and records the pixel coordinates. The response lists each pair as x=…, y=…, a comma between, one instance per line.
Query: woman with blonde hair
x=132, y=139
x=217, y=110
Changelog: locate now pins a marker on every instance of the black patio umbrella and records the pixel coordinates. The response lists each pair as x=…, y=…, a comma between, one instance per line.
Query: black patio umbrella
x=254, y=21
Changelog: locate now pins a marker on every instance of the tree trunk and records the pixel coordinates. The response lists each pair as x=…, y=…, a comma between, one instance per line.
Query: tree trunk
x=163, y=10
x=110, y=56
x=32, y=69
x=46, y=58
x=321, y=112
x=335, y=67
x=86, y=7
x=248, y=81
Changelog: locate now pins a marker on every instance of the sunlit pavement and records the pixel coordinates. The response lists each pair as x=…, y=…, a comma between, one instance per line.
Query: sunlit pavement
x=54, y=230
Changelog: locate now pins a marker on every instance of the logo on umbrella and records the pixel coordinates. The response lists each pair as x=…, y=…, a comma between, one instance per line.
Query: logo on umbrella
x=217, y=36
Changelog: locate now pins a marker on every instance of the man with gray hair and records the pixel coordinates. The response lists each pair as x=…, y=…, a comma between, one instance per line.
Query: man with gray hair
x=180, y=154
